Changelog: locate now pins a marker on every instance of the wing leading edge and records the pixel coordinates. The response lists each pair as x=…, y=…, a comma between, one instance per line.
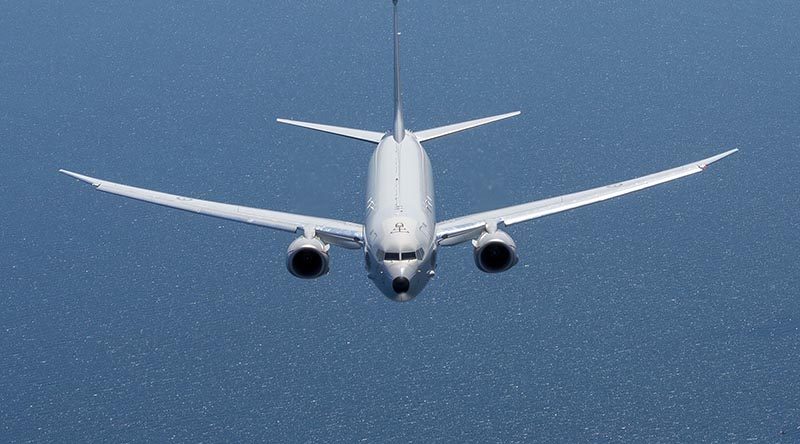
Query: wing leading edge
x=462, y=229
x=336, y=232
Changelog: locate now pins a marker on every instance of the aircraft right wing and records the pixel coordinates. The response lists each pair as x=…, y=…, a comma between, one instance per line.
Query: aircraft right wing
x=465, y=228
x=336, y=232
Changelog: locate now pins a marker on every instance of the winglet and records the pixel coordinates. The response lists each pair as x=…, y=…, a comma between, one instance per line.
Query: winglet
x=90, y=180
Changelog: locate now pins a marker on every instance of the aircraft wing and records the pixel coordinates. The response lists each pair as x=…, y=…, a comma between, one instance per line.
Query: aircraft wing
x=462, y=229
x=343, y=234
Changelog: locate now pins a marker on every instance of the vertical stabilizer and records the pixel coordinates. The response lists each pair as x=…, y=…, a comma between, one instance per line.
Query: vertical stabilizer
x=399, y=126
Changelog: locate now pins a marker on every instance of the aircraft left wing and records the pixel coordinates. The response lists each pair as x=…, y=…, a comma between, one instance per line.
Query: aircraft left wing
x=336, y=232
x=462, y=229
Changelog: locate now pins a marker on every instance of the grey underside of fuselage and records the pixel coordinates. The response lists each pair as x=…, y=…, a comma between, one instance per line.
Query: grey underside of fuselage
x=400, y=207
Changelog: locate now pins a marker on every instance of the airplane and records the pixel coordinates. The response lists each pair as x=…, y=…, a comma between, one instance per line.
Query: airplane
x=400, y=236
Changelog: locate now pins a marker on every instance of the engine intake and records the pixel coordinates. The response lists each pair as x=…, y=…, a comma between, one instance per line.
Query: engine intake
x=308, y=258
x=495, y=252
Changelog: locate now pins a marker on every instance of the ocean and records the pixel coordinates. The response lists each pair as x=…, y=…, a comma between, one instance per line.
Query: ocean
x=670, y=315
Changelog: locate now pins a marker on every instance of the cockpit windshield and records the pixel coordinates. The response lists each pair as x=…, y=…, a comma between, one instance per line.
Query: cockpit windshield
x=404, y=256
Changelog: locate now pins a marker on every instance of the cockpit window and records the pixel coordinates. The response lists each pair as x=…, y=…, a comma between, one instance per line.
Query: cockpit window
x=404, y=256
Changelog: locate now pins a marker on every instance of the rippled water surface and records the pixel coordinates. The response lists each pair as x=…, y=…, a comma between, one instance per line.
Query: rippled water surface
x=667, y=316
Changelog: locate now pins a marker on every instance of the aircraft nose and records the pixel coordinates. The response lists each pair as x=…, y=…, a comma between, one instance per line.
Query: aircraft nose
x=400, y=284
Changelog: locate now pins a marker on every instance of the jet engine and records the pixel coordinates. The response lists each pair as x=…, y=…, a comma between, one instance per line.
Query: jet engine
x=308, y=258
x=495, y=252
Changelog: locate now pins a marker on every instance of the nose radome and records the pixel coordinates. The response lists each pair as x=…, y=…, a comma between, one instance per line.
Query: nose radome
x=400, y=284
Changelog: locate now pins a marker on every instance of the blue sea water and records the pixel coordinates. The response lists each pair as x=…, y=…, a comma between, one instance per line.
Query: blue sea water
x=670, y=315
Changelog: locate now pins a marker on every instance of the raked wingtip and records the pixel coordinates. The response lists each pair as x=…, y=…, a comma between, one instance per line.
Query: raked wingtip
x=90, y=180
x=703, y=164
x=724, y=155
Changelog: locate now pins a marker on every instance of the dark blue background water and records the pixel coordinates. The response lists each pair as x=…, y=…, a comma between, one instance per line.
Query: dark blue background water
x=670, y=315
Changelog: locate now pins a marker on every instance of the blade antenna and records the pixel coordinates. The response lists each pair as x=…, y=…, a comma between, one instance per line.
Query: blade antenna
x=399, y=125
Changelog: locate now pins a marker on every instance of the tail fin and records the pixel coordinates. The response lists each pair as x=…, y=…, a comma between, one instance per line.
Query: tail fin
x=399, y=125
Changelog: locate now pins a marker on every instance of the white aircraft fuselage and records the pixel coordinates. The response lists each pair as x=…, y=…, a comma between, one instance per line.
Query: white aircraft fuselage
x=400, y=247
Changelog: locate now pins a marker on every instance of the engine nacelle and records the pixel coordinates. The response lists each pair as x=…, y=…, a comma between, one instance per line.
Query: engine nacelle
x=495, y=252
x=308, y=258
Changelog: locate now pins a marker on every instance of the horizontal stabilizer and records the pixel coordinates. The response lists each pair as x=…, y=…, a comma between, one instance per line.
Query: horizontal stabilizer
x=367, y=136
x=442, y=131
